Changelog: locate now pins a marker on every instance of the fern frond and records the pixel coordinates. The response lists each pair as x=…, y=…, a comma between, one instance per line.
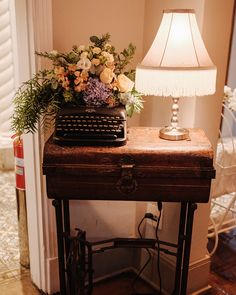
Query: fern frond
x=32, y=100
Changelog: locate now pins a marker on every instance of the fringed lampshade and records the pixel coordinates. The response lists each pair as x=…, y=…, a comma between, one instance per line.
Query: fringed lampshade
x=177, y=65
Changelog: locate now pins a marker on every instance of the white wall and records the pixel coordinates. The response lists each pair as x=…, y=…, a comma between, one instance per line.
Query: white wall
x=73, y=23
x=231, y=81
x=137, y=21
x=228, y=125
x=214, y=20
x=158, y=110
x=216, y=33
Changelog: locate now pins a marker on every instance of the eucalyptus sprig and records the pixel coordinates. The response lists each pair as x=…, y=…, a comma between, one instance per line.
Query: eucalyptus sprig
x=125, y=57
x=100, y=42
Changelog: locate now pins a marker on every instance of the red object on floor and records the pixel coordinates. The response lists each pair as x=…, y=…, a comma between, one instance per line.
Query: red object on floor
x=19, y=163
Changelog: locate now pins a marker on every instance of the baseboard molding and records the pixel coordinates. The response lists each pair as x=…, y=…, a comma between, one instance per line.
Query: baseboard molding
x=115, y=273
x=112, y=262
x=52, y=276
x=202, y=291
x=197, y=278
x=105, y=264
x=150, y=274
x=117, y=261
x=198, y=275
x=148, y=281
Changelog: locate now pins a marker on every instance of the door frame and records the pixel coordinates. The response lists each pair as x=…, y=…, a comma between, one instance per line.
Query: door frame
x=34, y=33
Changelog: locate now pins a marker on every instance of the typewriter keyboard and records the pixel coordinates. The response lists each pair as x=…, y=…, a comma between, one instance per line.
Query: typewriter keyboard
x=94, y=126
x=87, y=126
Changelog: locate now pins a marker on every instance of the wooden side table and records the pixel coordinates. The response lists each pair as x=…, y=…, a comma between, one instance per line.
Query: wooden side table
x=146, y=169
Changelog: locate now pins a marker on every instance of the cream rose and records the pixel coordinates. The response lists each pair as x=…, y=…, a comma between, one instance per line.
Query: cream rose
x=81, y=48
x=106, y=76
x=107, y=46
x=84, y=64
x=96, y=50
x=95, y=61
x=84, y=54
x=109, y=57
x=124, y=83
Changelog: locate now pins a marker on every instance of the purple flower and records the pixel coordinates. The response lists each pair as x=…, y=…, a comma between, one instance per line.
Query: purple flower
x=96, y=93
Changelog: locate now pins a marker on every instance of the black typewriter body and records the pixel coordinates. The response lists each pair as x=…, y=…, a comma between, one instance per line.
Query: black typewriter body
x=90, y=126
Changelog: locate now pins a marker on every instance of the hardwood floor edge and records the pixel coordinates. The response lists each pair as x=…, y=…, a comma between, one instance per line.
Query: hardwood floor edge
x=202, y=291
x=113, y=274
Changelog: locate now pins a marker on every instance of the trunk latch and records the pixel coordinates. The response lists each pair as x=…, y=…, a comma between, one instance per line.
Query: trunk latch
x=127, y=183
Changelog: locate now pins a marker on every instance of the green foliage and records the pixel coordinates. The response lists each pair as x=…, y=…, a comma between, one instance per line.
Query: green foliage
x=33, y=99
x=124, y=58
x=68, y=80
x=100, y=42
x=134, y=107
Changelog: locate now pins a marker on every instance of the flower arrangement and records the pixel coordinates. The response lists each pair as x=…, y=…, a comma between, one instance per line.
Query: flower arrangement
x=230, y=97
x=92, y=75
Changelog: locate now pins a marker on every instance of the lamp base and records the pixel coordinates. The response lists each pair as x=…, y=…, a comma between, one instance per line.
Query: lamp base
x=174, y=133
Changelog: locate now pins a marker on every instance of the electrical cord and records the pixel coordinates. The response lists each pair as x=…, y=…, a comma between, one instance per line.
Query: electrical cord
x=157, y=220
x=159, y=206
x=148, y=251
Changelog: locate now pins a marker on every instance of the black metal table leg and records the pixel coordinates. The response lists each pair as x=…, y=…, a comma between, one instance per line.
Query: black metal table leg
x=181, y=237
x=66, y=217
x=60, y=245
x=66, y=225
x=187, y=247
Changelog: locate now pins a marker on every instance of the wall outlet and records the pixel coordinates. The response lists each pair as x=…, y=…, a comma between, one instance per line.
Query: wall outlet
x=152, y=208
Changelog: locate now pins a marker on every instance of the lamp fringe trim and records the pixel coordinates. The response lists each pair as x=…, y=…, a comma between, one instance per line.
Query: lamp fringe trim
x=158, y=82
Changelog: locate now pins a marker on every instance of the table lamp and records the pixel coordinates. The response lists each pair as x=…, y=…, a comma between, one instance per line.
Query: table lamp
x=177, y=65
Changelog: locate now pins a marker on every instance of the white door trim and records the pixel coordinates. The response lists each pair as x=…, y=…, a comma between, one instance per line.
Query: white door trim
x=34, y=22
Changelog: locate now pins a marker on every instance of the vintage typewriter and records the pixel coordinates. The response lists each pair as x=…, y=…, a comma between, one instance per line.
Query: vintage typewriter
x=90, y=126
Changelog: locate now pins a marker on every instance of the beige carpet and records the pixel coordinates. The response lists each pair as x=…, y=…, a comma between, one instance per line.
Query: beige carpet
x=9, y=242
x=14, y=279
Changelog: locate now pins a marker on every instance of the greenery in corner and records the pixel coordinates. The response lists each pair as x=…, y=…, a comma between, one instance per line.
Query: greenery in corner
x=93, y=75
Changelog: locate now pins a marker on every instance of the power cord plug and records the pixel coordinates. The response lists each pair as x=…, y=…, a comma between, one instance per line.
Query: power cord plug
x=150, y=216
x=159, y=206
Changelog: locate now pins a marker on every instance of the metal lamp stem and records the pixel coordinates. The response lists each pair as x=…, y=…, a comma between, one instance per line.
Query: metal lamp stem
x=175, y=110
x=174, y=132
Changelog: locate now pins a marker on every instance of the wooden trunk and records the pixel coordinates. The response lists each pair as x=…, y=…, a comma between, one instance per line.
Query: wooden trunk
x=147, y=168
